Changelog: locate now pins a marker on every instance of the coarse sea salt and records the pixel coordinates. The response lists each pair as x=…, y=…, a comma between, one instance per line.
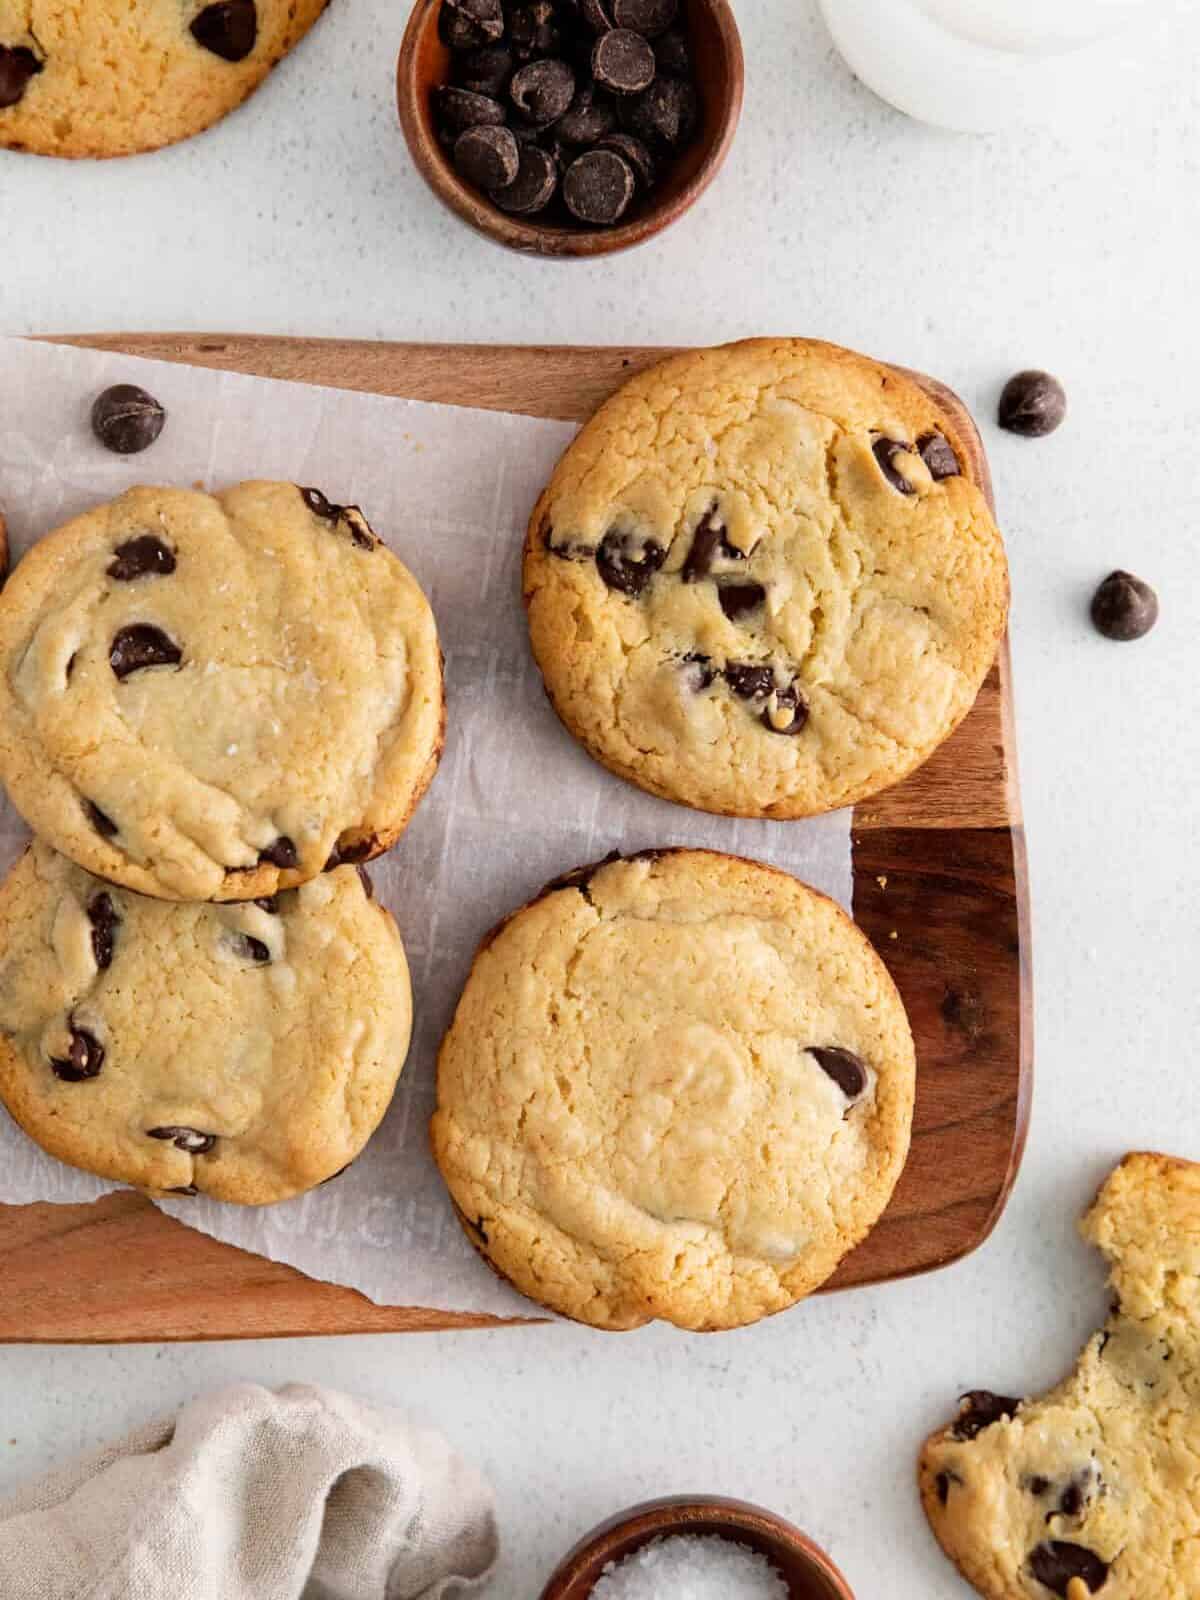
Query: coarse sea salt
x=688, y=1566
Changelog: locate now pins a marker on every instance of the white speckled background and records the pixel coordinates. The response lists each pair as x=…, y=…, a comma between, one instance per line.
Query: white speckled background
x=966, y=257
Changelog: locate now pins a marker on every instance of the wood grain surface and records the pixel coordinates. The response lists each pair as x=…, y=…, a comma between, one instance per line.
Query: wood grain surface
x=939, y=886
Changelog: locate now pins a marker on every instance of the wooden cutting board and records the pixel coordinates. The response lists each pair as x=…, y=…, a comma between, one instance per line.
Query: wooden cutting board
x=939, y=886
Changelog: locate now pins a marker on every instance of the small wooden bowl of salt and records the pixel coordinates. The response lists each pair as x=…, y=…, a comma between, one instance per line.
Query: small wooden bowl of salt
x=696, y=1547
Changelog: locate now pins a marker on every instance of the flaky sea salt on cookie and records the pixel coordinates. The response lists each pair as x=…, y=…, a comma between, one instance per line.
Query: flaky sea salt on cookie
x=211, y=697
x=678, y=1085
x=762, y=581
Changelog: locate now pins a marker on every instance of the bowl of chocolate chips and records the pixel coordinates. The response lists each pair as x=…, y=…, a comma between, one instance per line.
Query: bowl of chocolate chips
x=570, y=128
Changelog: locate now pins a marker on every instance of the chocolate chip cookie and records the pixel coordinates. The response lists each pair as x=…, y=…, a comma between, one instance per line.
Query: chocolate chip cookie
x=762, y=581
x=214, y=697
x=246, y=1052
x=1092, y=1489
x=677, y=1085
x=112, y=79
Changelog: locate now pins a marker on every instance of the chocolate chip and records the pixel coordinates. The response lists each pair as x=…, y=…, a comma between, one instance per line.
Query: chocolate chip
x=534, y=30
x=589, y=118
x=487, y=157
x=280, y=854
x=1032, y=403
x=647, y=17
x=1124, y=607
x=105, y=922
x=708, y=541
x=254, y=948
x=596, y=14
x=672, y=54
x=942, y=1484
x=268, y=902
x=17, y=65
x=663, y=116
x=321, y=506
x=937, y=453
x=484, y=71
x=578, y=877
x=789, y=714
x=126, y=419
x=473, y=22
x=640, y=160
x=184, y=1188
x=737, y=599
x=542, y=91
x=749, y=682
x=885, y=452
x=533, y=187
x=1071, y=1500
x=627, y=563
x=701, y=671
x=100, y=820
x=843, y=1066
x=980, y=1408
x=229, y=29
x=464, y=108
x=1037, y=1485
x=343, y=854
x=191, y=1140
x=623, y=62
x=84, y=1058
x=142, y=645
x=142, y=557
x=1057, y=1562
x=598, y=187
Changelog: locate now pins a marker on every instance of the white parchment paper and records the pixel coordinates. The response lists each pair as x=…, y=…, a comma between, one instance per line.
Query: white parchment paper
x=514, y=803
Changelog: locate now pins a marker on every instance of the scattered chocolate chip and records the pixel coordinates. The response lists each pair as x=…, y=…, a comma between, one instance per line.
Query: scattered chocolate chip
x=843, y=1066
x=598, y=186
x=627, y=563
x=142, y=557
x=100, y=820
x=700, y=670
x=1057, y=1562
x=184, y=1188
x=188, y=1139
x=459, y=109
x=533, y=187
x=885, y=452
x=738, y=599
x=589, y=118
x=71, y=660
x=17, y=65
x=534, y=30
x=1032, y=404
x=488, y=157
x=542, y=91
x=280, y=854
x=672, y=54
x=980, y=1408
x=647, y=17
x=1124, y=607
x=663, y=116
x=937, y=453
x=623, y=62
x=320, y=505
x=105, y=922
x=475, y=21
x=142, y=645
x=484, y=71
x=480, y=1229
x=268, y=902
x=749, y=682
x=1071, y=1500
x=126, y=419
x=364, y=878
x=1037, y=1485
x=942, y=1484
x=84, y=1058
x=789, y=714
x=578, y=877
x=596, y=14
x=708, y=541
x=344, y=854
x=640, y=160
x=229, y=29
x=254, y=949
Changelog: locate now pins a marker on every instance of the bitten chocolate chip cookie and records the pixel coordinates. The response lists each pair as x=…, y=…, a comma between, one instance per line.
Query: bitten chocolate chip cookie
x=1093, y=1489
x=246, y=1052
x=108, y=78
x=678, y=1085
x=213, y=697
x=761, y=580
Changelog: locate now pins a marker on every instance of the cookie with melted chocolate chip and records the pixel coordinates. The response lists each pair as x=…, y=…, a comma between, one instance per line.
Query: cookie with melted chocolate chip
x=247, y=1052
x=212, y=697
x=677, y=1086
x=805, y=523
x=111, y=79
x=1091, y=1488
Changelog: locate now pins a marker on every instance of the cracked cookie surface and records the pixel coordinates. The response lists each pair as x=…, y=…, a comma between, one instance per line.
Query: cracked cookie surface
x=761, y=581
x=1094, y=1488
x=213, y=697
x=107, y=78
x=677, y=1085
x=246, y=1052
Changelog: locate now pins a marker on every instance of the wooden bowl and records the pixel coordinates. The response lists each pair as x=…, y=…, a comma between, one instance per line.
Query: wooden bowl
x=719, y=75
x=807, y=1570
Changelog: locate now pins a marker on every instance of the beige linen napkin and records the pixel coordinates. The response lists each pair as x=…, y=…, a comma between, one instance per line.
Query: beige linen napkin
x=303, y=1494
